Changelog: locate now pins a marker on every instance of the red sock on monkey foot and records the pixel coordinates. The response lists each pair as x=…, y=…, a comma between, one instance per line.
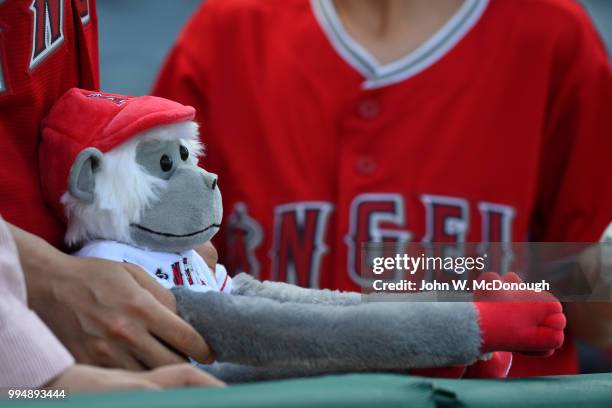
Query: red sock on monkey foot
x=522, y=321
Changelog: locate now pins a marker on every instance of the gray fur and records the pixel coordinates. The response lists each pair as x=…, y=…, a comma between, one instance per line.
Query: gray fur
x=81, y=180
x=319, y=337
x=149, y=153
x=244, y=284
x=188, y=211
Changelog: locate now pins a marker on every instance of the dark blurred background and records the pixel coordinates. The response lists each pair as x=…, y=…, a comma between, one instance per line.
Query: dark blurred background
x=135, y=36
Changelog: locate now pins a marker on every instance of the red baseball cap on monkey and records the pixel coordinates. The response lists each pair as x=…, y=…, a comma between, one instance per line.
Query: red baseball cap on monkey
x=82, y=119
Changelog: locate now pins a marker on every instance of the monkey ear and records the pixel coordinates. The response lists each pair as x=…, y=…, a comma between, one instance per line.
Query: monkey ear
x=81, y=180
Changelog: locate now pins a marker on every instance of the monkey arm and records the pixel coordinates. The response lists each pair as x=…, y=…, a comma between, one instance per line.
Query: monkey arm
x=238, y=373
x=315, y=337
x=245, y=285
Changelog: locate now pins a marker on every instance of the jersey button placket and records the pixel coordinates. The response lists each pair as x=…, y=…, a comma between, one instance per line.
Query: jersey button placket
x=368, y=108
x=365, y=165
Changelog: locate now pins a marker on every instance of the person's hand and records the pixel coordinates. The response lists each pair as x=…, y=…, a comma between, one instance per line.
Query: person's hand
x=209, y=253
x=114, y=315
x=591, y=321
x=83, y=378
x=106, y=313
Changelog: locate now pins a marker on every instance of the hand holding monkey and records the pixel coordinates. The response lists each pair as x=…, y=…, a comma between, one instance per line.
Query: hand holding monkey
x=106, y=313
x=125, y=179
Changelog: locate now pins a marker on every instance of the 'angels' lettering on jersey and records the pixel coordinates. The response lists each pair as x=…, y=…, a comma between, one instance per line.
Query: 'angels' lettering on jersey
x=299, y=232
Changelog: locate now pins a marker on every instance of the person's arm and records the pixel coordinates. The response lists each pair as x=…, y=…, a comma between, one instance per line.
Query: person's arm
x=86, y=378
x=30, y=354
x=106, y=313
x=574, y=202
x=191, y=65
x=593, y=320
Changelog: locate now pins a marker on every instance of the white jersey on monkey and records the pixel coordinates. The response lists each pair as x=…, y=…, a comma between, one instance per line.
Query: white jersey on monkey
x=122, y=172
x=186, y=268
x=109, y=200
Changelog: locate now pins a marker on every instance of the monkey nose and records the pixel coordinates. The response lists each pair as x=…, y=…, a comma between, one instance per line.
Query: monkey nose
x=210, y=180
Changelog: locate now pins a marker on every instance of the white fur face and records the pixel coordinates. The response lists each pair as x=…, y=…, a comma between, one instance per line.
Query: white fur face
x=123, y=189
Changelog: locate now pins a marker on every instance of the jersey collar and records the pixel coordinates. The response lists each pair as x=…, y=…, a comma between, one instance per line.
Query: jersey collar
x=378, y=75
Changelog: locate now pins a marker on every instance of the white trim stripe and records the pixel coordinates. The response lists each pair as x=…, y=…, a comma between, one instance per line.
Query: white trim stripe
x=427, y=54
x=349, y=49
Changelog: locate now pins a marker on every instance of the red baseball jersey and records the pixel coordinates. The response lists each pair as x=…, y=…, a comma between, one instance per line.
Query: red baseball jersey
x=498, y=128
x=46, y=47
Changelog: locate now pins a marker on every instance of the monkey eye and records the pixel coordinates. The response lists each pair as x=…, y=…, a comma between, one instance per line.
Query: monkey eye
x=184, y=153
x=166, y=163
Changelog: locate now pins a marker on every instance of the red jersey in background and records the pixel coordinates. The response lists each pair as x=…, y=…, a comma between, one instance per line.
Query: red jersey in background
x=498, y=129
x=46, y=48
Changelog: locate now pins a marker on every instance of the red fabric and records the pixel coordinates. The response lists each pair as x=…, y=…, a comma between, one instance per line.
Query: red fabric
x=440, y=372
x=524, y=322
x=534, y=328
x=31, y=82
x=527, y=322
x=82, y=119
x=563, y=362
x=497, y=366
x=516, y=114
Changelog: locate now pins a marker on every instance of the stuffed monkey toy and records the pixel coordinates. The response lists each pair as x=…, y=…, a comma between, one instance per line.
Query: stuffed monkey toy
x=122, y=172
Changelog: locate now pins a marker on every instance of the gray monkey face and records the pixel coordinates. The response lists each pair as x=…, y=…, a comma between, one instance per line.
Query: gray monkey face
x=188, y=211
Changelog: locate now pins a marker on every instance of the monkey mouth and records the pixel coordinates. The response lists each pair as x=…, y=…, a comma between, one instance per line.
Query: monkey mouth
x=170, y=235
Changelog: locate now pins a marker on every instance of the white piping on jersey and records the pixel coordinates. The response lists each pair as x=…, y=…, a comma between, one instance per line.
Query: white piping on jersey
x=378, y=75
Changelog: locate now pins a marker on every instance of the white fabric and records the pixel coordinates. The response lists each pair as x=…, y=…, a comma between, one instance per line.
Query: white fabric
x=378, y=75
x=170, y=269
x=30, y=355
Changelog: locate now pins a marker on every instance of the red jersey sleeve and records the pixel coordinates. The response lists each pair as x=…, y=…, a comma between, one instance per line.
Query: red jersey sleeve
x=179, y=80
x=575, y=180
x=184, y=74
x=46, y=48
